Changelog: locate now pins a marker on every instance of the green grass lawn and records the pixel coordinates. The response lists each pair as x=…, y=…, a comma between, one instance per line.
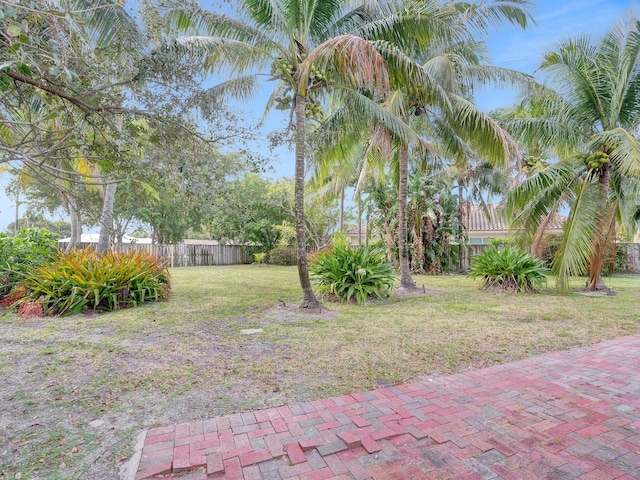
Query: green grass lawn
x=187, y=359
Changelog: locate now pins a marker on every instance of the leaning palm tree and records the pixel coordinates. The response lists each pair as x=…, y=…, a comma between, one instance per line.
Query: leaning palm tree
x=305, y=46
x=591, y=120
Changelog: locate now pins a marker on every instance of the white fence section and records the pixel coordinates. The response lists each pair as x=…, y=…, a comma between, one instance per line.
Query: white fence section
x=183, y=255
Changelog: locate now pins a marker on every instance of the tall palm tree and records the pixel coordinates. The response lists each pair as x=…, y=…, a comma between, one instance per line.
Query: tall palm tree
x=592, y=119
x=306, y=46
x=447, y=115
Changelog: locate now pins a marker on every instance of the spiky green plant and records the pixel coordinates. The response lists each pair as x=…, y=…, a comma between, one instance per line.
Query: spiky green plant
x=508, y=270
x=83, y=279
x=260, y=257
x=353, y=273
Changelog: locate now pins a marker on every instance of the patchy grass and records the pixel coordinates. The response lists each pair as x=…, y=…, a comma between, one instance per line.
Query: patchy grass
x=74, y=391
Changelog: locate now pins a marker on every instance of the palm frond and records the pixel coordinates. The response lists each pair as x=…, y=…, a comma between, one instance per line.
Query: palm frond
x=488, y=138
x=191, y=20
x=415, y=26
x=484, y=15
x=530, y=201
x=577, y=249
x=356, y=62
x=240, y=88
x=216, y=51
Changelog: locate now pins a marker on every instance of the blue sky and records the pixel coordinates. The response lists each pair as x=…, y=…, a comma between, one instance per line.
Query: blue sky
x=509, y=48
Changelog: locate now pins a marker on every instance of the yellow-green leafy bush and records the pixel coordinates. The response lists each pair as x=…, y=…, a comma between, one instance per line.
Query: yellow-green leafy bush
x=85, y=280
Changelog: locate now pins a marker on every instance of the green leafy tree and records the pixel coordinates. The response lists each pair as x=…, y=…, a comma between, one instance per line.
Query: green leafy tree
x=176, y=185
x=250, y=211
x=591, y=121
x=59, y=228
x=65, y=65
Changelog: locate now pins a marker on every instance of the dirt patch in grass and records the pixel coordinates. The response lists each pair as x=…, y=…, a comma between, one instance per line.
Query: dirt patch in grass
x=75, y=391
x=402, y=292
x=288, y=313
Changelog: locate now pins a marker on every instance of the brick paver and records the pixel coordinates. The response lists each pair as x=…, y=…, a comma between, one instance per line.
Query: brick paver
x=567, y=415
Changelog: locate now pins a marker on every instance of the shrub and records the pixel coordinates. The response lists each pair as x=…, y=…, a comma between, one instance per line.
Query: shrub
x=359, y=273
x=502, y=241
x=283, y=255
x=259, y=257
x=82, y=280
x=615, y=259
x=550, y=245
x=29, y=248
x=508, y=270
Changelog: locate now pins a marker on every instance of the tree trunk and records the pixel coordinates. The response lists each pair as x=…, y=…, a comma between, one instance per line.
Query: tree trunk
x=359, y=219
x=309, y=299
x=536, y=248
x=419, y=241
x=106, y=219
x=367, y=226
x=461, y=212
x=403, y=242
x=342, y=211
x=604, y=220
x=16, y=226
x=76, y=224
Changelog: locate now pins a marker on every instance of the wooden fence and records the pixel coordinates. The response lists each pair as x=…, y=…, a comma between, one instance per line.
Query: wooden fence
x=183, y=255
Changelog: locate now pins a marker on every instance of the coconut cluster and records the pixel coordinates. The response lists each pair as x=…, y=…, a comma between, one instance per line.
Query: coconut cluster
x=594, y=160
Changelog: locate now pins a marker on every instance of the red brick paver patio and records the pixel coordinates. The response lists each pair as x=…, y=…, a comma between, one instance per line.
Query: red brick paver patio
x=568, y=415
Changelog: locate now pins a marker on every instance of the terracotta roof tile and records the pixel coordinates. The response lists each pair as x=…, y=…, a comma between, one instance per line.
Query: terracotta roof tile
x=478, y=221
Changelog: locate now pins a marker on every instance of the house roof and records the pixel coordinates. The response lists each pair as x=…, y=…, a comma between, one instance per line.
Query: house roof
x=479, y=222
x=354, y=230
x=93, y=238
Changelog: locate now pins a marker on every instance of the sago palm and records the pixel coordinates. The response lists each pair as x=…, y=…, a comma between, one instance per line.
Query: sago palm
x=591, y=120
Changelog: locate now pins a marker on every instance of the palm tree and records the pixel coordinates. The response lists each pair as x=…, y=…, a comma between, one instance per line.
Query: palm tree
x=306, y=46
x=436, y=94
x=591, y=120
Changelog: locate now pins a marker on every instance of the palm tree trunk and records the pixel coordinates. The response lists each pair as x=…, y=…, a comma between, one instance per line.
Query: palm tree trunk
x=604, y=221
x=367, y=226
x=405, y=271
x=342, y=211
x=419, y=241
x=462, y=222
x=106, y=219
x=359, y=219
x=536, y=248
x=309, y=300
